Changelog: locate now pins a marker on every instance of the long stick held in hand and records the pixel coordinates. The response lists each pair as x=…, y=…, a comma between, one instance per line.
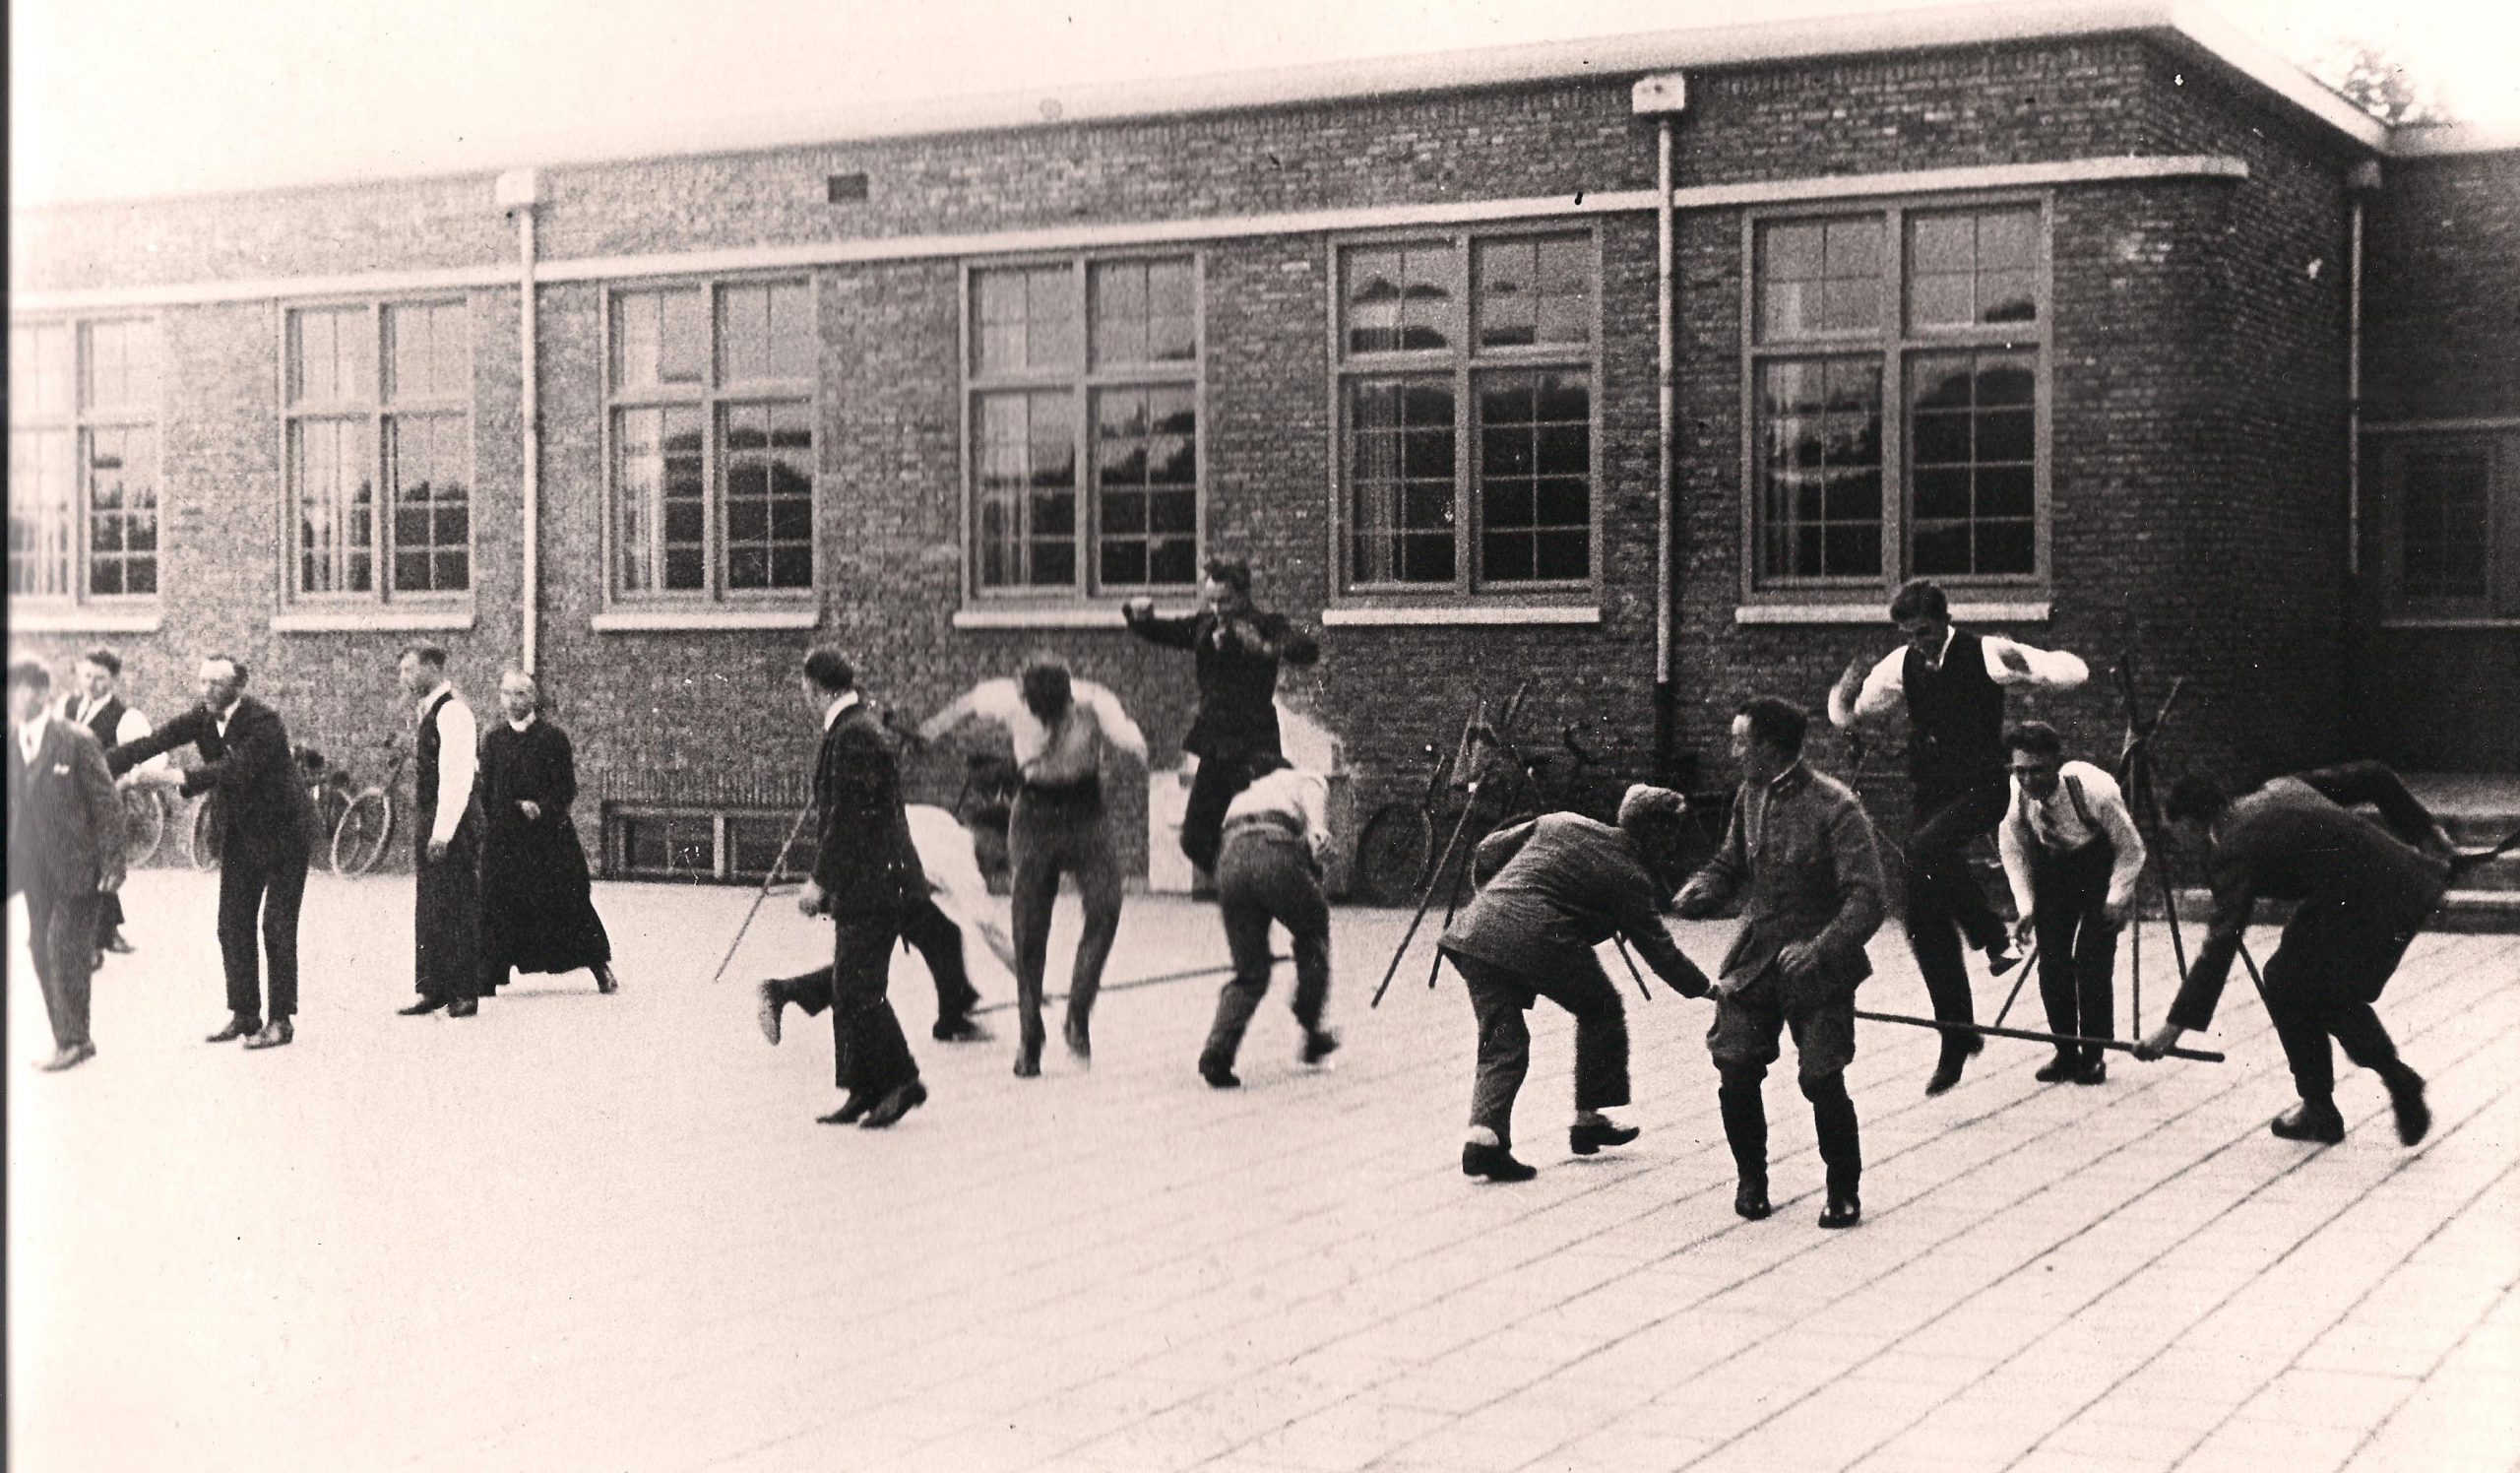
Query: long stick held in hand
x=777, y=865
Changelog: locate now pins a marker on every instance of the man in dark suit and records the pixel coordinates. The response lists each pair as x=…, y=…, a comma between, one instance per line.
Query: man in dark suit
x=1558, y=886
x=1238, y=650
x=867, y=877
x=264, y=821
x=65, y=852
x=2364, y=893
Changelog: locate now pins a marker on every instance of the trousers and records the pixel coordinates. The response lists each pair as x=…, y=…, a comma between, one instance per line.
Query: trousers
x=1500, y=996
x=61, y=933
x=273, y=887
x=1049, y=835
x=2077, y=947
x=1264, y=875
x=1944, y=900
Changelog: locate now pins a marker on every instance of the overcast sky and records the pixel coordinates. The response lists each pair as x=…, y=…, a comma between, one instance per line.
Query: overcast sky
x=111, y=98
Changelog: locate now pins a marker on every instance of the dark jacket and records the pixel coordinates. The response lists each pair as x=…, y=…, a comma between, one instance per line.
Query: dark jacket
x=862, y=854
x=1806, y=850
x=1237, y=673
x=259, y=793
x=2293, y=839
x=65, y=820
x=1563, y=884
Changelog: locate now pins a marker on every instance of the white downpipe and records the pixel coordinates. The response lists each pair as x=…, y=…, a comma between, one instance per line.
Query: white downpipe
x=530, y=406
x=1667, y=409
x=2354, y=393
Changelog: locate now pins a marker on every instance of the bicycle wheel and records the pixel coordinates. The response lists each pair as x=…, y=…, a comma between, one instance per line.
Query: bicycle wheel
x=1392, y=856
x=143, y=826
x=205, y=836
x=331, y=803
x=367, y=825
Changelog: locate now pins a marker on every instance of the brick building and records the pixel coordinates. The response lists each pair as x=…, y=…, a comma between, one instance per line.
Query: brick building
x=2066, y=305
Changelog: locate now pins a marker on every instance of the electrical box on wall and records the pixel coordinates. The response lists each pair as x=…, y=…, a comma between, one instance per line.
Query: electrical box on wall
x=1664, y=91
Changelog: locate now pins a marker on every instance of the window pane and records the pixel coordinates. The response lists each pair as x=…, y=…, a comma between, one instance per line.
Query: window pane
x=769, y=469
x=40, y=381
x=332, y=355
x=427, y=477
x=331, y=484
x=1400, y=297
x=122, y=510
x=122, y=365
x=1024, y=459
x=661, y=516
x=1819, y=277
x=2445, y=539
x=1973, y=266
x=659, y=338
x=1818, y=467
x=682, y=845
x=1399, y=481
x=40, y=494
x=1972, y=455
x=1535, y=475
x=1142, y=312
x=1535, y=289
x=792, y=330
x=1144, y=481
x=1028, y=320
x=430, y=352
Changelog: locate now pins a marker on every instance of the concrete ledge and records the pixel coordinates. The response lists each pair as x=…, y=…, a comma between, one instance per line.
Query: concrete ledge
x=76, y=620
x=1877, y=611
x=357, y=620
x=1463, y=614
x=674, y=621
x=1066, y=616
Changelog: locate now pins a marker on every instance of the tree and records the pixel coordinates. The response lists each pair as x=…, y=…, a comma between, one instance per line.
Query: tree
x=2365, y=74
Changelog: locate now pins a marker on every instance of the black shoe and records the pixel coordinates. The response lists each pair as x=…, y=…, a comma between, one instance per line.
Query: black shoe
x=1078, y=1042
x=2056, y=1070
x=1496, y=1163
x=773, y=1003
x=2307, y=1122
x=604, y=981
x=463, y=1007
x=239, y=1026
x=2094, y=1070
x=1955, y=1058
x=1219, y=1076
x=117, y=945
x=1028, y=1061
x=421, y=1008
x=850, y=1111
x=2415, y=1118
x=1750, y=1201
x=960, y=1029
x=901, y=1100
x=1318, y=1045
x=2000, y=960
x=1584, y=1139
x=275, y=1033
x=1842, y=1211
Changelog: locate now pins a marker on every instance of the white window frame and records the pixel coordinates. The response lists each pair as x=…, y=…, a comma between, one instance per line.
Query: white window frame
x=81, y=421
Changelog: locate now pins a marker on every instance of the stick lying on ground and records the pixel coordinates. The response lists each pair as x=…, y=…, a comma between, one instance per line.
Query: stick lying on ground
x=1187, y=974
x=2207, y=1055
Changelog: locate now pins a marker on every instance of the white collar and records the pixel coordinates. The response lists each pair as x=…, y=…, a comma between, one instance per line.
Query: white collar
x=518, y=726
x=833, y=712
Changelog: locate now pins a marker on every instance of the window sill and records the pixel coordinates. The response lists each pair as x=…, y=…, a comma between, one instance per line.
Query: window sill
x=355, y=620
x=2449, y=621
x=75, y=619
x=1403, y=615
x=1046, y=616
x=658, y=621
x=1877, y=611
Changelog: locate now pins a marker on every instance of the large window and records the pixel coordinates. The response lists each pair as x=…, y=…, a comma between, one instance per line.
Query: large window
x=1896, y=364
x=380, y=452
x=1466, y=414
x=711, y=392
x=1084, y=384
x=2449, y=543
x=83, y=461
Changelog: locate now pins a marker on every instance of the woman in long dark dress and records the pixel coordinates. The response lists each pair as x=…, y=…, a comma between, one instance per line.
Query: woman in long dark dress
x=537, y=910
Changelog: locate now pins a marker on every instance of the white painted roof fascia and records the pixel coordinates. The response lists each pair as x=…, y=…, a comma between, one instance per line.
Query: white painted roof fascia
x=2437, y=140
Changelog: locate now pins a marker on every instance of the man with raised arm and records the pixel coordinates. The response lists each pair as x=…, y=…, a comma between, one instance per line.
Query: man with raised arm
x=1062, y=729
x=1952, y=683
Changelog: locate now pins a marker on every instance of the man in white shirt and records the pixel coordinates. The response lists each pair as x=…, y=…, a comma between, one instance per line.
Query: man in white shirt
x=1952, y=683
x=1276, y=832
x=96, y=702
x=2073, y=854
x=446, y=912
x=1061, y=727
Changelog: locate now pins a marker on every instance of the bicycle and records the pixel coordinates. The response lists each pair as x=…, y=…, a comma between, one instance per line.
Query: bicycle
x=143, y=819
x=1396, y=853
x=366, y=822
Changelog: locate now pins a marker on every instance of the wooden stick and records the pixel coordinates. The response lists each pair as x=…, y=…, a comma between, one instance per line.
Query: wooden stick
x=2037, y=1037
x=2027, y=963
x=776, y=866
x=1451, y=845
x=1631, y=968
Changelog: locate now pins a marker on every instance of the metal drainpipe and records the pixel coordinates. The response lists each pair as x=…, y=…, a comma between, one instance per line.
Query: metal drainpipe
x=2362, y=180
x=1666, y=408
x=531, y=408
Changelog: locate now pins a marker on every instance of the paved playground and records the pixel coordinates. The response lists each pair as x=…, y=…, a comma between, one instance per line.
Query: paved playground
x=583, y=1233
